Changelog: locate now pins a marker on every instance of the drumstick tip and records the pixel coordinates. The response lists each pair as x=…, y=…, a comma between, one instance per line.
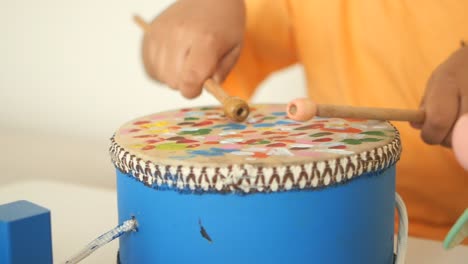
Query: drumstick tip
x=236, y=108
x=301, y=109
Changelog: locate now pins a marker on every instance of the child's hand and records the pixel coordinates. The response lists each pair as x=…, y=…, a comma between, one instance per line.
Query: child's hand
x=460, y=141
x=194, y=40
x=445, y=99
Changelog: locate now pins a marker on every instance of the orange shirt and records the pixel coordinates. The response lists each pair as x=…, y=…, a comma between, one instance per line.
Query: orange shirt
x=368, y=53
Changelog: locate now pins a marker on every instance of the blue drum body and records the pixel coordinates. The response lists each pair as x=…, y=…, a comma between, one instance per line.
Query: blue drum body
x=349, y=223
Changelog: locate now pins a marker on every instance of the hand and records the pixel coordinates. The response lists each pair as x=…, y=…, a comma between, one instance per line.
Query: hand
x=194, y=40
x=445, y=99
x=460, y=141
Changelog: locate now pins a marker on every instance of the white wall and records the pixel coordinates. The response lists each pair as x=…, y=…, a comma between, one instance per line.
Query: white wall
x=70, y=71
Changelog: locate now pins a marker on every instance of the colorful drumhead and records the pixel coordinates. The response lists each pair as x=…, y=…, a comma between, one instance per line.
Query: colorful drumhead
x=198, y=149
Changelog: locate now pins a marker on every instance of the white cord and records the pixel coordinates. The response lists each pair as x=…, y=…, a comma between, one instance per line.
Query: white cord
x=127, y=226
x=402, y=240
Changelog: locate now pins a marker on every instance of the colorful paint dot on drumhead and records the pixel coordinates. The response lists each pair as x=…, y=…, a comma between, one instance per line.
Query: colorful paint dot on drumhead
x=204, y=131
x=148, y=147
x=174, y=138
x=170, y=146
x=279, y=113
x=207, y=153
x=321, y=134
x=144, y=136
x=260, y=142
x=373, y=133
x=284, y=140
x=287, y=122
x=155, y=124
x=300, y=134
x=265, y=128
x=260, y=155
x=309, y=127
x=231, y=126
x=301, y=146
x=203, y=123
x=137, y=146
x=264, y=125
x=324, y=139
x=129, y=131
x=185, y=141
x=338, y=147
x=211, y=152
x=141, y=122
x=276, y=145
x=152, y=141
x=371, y=139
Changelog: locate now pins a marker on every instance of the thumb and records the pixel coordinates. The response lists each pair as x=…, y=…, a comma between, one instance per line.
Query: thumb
x=226, y=64
x=422, y=104
x=199, y=65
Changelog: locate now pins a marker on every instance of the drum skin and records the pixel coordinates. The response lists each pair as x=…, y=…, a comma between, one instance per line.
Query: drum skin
x=349, y=223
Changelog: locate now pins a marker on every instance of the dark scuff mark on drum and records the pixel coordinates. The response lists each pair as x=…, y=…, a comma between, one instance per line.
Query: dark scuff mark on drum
x=204, y=233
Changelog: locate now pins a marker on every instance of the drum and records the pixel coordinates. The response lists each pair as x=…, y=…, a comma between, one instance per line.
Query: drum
x=270, y=190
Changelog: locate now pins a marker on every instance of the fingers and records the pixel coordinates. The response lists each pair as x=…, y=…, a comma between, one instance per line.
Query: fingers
x=441, y=104
x=162, y=62
x=184, y=45
x=149, y=56
x=186, y=61
x=199, y=65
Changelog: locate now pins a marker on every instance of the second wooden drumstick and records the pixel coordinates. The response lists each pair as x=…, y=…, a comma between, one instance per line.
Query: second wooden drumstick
x=305, y=109
x=234, y=107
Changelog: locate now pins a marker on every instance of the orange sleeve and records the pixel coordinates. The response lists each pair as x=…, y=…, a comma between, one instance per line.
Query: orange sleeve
x=268, y=46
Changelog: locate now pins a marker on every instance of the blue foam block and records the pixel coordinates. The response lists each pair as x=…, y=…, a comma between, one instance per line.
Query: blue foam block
x=25, y=234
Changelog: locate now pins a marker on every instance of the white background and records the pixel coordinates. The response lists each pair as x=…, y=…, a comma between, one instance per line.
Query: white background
x=74, y=67
x=70, y=75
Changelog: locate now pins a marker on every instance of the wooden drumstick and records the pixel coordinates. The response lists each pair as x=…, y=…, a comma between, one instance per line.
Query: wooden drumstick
x=234, y=107
x=305, y=109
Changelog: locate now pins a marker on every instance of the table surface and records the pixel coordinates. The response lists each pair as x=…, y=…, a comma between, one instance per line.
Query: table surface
x=81, y=213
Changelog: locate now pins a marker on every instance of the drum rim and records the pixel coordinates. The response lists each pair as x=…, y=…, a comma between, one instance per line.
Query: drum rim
x=235, y=177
